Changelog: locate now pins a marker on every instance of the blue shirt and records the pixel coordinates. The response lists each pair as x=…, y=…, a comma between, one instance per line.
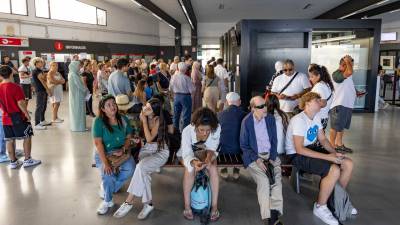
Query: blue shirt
x=260, y=128
x=230, y=120
x=118, y=84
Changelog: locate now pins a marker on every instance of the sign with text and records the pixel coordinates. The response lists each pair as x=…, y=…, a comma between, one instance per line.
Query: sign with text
x=14, y=41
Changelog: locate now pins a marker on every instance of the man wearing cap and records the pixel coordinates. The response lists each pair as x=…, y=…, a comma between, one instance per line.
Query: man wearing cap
x=230, y=120
x=182, y=87
x=258, y=141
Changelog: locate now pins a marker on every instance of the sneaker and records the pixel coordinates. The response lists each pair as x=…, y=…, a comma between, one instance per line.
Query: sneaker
x=354, y=211
x=58, y=120
x=103, y=207
x=15, y=165
x=45, y=123
x=4, y=158
x=19, y=152
x=343, y=149
x=40, y=127
x=145, y=211
x=31, y=162
x=236, y=173
x=385, y=105
x=123, y=210
x=224, y=173
x=324, y=214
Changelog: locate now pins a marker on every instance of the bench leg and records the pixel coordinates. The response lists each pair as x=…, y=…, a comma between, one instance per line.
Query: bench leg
x=297, y=182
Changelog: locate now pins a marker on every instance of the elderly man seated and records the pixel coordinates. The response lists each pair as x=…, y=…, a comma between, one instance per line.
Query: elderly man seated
x=258, y=140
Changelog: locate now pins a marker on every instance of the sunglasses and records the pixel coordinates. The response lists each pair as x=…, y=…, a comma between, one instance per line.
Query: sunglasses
x=260, y=106
x=287, y=70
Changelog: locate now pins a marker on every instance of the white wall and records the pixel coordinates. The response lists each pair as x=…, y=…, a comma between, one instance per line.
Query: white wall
x=123, y=26
x=390, y=22
x=167, y=35
x=209, y=33
x=186, y=32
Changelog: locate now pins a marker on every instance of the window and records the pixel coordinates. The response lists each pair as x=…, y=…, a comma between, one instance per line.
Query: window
x=17, y=7
x=70, y=10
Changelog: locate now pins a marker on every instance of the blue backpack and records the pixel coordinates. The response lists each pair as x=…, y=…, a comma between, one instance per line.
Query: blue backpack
x=201, y=197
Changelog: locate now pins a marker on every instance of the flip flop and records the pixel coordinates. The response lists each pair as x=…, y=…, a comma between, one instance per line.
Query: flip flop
x=215, y=216
x=188, y=214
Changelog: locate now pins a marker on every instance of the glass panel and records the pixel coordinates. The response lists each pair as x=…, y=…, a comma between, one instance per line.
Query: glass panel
x=72, y=10
x=329, y=47
x=101, y=17
x=5, y=6
x=19, y=7
x=42, y=8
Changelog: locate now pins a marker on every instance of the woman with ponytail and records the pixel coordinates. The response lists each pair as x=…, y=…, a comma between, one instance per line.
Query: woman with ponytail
x=152, y=156
x=281, y=120
x=322, y=85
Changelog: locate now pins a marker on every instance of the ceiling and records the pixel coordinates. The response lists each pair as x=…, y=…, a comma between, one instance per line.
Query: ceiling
x=231, y=11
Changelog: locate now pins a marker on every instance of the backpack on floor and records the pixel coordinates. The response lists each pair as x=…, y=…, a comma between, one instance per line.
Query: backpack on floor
x=201, y=197
x=339, y=203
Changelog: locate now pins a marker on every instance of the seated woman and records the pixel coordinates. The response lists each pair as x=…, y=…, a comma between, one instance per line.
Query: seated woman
x=303, y=131
x=153, y=155
x=202, y=133
x=111, y=133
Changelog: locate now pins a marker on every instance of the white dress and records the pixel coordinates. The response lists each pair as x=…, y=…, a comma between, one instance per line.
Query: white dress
x=57, y=90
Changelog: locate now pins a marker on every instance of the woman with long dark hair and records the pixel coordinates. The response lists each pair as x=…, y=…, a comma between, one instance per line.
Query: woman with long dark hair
x=281, y=120
x=88, y=80
x=322, y=85
x=153, y=155
x=111, y=134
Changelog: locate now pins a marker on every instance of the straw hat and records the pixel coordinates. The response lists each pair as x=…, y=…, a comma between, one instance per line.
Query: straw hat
x=123, y=102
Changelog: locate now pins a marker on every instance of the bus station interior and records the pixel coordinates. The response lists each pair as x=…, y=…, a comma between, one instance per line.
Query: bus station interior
x=250, y=35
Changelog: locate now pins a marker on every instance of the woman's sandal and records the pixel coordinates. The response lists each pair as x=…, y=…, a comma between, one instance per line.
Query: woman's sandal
x=188, y=214
x=215, y=216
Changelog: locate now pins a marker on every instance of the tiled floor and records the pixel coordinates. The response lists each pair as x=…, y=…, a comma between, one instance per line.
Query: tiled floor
x=63, y=190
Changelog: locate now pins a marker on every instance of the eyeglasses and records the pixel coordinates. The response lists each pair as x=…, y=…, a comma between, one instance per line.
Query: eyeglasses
x=260, y=106
x=287, y=70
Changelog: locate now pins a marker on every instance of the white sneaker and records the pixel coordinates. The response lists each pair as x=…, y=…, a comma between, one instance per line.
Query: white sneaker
x=15, y=165
x=31, y=162
x=40, y=127
x=325, y=214
x=145, y=211
x=123, y=210
x=354, y=211
x=45, y=123
x=58, y=120
x=103, y=207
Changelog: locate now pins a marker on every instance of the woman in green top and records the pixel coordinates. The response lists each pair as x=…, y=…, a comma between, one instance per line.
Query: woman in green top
x=111, y=133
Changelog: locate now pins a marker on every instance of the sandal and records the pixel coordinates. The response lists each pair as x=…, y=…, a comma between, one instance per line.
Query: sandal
x=188, y=214
x=215, y=216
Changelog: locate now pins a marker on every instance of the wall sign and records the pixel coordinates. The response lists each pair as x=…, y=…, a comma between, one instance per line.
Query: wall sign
x=58, y=45
x=14, y=41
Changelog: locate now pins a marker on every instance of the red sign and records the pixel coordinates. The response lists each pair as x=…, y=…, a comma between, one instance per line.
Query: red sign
x=58, y=45
x=27, y=52
x=14, y=41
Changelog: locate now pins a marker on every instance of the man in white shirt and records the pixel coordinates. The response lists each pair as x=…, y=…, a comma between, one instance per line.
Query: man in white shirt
x=289, y=87
x=223, y=75
x=25, y=79
x=342, y=103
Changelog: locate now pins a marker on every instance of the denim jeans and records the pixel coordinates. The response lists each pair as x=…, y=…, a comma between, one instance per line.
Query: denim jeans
x=41, y=105
x=112, y=183
x=2, y=142
x=182, y=105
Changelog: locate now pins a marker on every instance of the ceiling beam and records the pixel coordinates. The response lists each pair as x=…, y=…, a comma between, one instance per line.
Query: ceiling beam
x=346, y=9
x=377, y=11
x=188, y=11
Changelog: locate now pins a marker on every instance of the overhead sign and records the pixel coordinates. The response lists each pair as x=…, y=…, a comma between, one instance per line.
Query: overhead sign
x=14, y=41
x=59, y=46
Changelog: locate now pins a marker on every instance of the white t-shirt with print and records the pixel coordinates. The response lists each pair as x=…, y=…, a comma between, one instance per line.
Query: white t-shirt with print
x=345, y=93
x=302, y=125
x=24, y=69
x=325, y=92
x=297, y=86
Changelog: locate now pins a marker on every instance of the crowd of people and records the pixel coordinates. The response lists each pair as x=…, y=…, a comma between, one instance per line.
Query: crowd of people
x=142, y=106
